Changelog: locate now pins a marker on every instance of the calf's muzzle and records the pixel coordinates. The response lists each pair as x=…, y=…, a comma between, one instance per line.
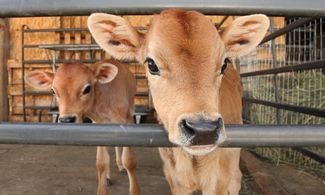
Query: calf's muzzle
x=201, y=131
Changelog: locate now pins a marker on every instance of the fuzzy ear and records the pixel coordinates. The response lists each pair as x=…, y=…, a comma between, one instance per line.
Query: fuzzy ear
x=39, y=79
x=106, y=72
x=115, y=35
x=244, y=34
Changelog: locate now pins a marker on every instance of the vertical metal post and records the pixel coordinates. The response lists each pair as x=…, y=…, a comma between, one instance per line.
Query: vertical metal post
x=4, y=53
x=23, y=72
x=54, y=103
x=321, y=38
x=274, y=65
x=53, y=60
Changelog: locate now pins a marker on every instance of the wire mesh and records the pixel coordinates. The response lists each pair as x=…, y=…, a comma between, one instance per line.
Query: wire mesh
x=303, y=88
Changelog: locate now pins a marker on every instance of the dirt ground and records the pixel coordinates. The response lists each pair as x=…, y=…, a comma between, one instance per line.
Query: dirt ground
x=70, y=170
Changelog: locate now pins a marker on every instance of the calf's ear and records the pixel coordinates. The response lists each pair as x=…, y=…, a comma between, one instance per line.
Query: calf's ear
x=115, y=35
x=39, y=79
x=105, y=72
x=244, y=34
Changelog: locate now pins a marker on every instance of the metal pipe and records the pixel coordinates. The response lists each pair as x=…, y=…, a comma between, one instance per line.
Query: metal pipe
x=294, y=108
x=23, y=88
x=296, y=24
x=275, y=76
x=150, y=135
x=292, y=68
x=313, y=155
x=19, y=8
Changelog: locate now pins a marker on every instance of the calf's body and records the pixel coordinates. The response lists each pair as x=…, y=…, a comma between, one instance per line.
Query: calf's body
x=195, y=88
x=103, y=92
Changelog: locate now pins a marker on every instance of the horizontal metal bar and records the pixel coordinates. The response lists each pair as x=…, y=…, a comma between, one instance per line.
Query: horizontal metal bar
x=18, y=8
x=73, y=47
x=294, y=108
x=40, y=107
x=318, y=157
x=33, y=92
x=154, y=135
x=294, y=68
x=27, y=30
x=296, y=24
x=59, y=61
x=58, y=30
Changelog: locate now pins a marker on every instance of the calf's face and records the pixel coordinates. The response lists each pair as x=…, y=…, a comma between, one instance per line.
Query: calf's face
x=185, y=57
x=74, y=87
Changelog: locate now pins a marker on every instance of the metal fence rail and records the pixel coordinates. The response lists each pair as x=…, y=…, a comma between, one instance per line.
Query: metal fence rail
x=16, y=8
x=293, y=68
x=303, y=57
x=154, y=135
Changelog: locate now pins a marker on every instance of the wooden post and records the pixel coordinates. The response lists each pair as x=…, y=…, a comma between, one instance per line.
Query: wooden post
x=4, y=52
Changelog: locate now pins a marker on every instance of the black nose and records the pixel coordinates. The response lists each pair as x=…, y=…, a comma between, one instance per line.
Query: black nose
x=67, y=119
x=201, y=131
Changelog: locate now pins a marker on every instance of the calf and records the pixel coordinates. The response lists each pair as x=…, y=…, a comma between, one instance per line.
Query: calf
x=194, y=87
x=103, y=92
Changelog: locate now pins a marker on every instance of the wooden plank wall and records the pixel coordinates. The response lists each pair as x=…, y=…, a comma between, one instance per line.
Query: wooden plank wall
x=14, y=62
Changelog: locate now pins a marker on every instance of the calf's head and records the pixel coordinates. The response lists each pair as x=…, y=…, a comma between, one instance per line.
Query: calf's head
x=74, y=87
x=185, y=57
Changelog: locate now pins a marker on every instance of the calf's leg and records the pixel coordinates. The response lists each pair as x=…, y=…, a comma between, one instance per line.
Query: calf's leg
x=102, y=164
x=129, y=163
x=118, y=153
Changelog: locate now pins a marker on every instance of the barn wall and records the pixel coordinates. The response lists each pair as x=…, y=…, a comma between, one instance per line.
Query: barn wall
x=14, y=62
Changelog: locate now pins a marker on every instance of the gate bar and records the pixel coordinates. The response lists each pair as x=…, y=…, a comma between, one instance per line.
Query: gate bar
x=311, y=154
x=292, y=68
x=151, y=135
x=301, y=109
x=18, y=8
x=296, y=24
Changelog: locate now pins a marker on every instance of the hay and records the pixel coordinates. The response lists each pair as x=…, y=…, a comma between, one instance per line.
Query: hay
x=303, y=88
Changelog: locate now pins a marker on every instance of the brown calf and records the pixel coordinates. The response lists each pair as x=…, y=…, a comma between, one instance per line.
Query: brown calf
x=103, y=92
x=194, y=87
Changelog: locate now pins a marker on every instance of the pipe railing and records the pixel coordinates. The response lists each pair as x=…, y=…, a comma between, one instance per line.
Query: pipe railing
x=19, y=8
x=151, y=135
x=284, y=69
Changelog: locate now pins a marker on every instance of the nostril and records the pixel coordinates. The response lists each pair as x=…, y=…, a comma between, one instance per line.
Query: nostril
x=219, y=124
x=187, y=129
x=73, y=119
x=67, y=119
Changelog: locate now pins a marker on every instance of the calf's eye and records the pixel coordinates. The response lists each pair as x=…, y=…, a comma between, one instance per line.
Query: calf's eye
x=224, y=66
x=153, y=68
x=86, y=90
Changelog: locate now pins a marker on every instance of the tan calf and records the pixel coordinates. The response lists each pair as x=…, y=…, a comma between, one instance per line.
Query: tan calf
x=103, y=92
x=195, y=89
